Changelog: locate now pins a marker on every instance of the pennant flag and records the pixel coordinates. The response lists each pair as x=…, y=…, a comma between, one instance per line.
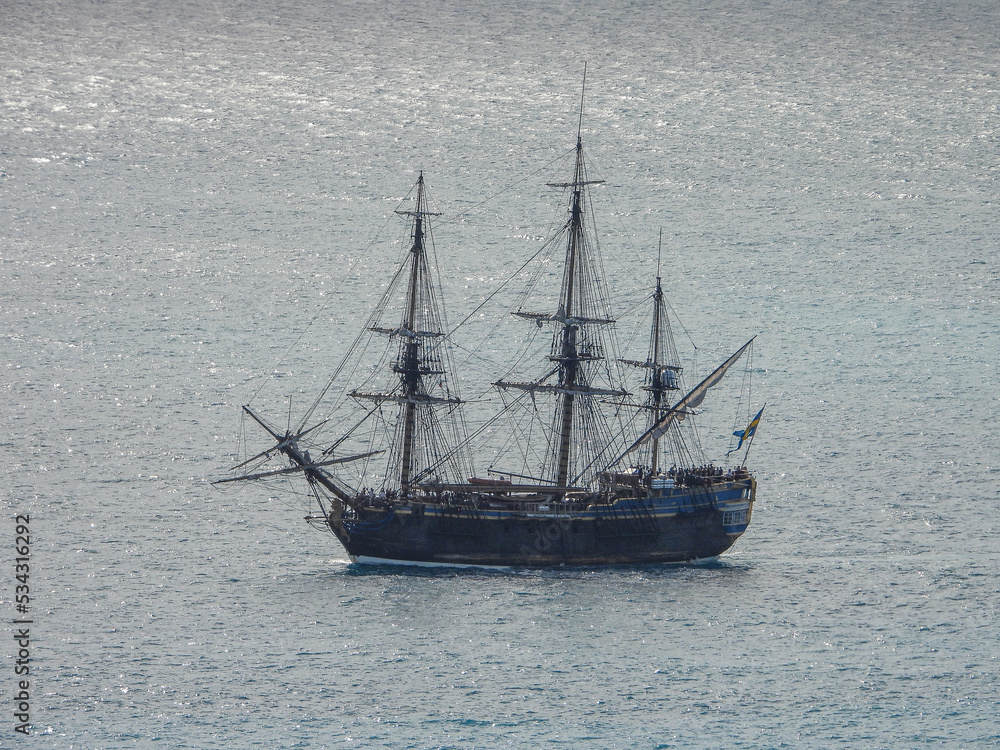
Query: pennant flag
x=748, y=432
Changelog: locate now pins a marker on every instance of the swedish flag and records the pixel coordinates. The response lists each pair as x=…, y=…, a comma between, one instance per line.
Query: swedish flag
x=749, y=431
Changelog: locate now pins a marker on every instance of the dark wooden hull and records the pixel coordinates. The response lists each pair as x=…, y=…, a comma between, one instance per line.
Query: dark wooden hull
x=676, y=525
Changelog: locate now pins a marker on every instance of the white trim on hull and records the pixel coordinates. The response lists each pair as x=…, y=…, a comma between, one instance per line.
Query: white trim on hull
x=366, y=560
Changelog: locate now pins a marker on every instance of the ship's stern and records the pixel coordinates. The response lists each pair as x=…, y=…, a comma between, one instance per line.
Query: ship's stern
x=737, y=509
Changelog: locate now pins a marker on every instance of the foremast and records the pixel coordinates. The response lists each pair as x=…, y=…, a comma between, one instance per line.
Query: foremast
x=419, y=354
x=417, y=383
x=408, y=366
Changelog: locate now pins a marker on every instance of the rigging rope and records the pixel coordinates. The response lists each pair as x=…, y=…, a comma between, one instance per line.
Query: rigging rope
x=325, y=305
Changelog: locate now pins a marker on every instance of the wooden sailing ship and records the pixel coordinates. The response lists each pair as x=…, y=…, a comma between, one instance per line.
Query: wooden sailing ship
x=395, y=483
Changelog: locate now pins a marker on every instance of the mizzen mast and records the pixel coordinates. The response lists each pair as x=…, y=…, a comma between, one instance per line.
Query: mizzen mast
x=663, y=377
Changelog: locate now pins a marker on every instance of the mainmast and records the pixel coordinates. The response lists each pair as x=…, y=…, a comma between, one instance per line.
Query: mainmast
x=568, y=356
x=576, y=344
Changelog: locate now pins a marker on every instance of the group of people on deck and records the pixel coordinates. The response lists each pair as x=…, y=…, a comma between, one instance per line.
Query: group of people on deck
x=700, y=475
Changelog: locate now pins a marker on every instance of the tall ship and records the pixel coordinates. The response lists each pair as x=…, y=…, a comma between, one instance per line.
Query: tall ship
x=583, y=471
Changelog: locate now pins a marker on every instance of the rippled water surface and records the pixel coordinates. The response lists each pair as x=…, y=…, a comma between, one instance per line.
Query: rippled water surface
x=182, y=190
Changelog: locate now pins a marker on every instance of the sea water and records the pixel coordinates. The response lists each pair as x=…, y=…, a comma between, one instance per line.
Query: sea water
x=186, y=188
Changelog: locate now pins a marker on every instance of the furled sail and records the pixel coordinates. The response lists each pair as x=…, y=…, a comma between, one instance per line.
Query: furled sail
x=393, y=476
x=692, y=400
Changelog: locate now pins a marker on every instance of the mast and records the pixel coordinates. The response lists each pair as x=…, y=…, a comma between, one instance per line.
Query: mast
x=408, y=365
x=577, y=345
x=407, y=368
x=656, y=386
x=419, y=443
x=664, y=369
x=679, y=411
x=419, y=355
x=569, y=362
x=662, y=362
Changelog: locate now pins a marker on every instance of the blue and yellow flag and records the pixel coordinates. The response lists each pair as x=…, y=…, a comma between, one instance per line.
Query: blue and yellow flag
x=746, y=434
